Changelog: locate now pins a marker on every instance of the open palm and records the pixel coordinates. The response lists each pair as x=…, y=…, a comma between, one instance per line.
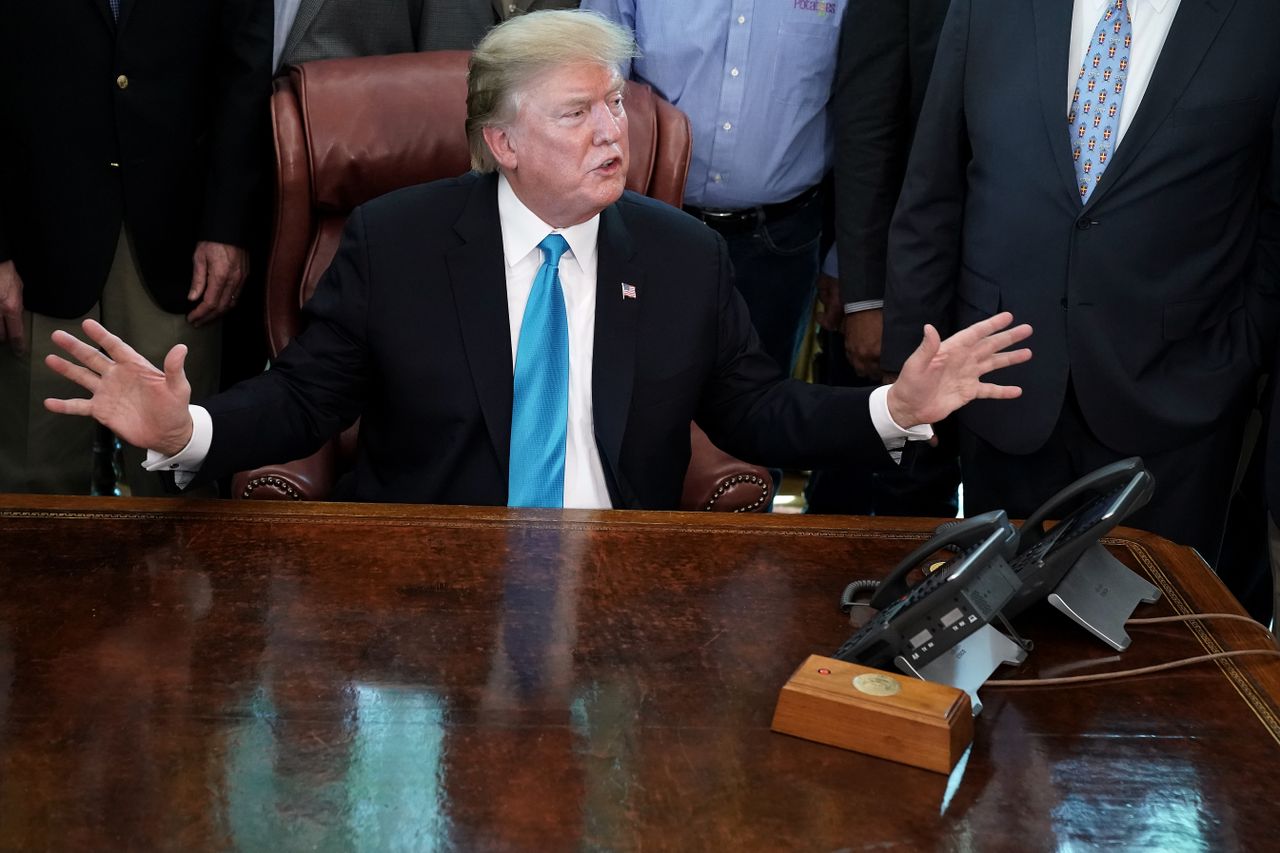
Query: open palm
x=130, y=396
x=941, y=376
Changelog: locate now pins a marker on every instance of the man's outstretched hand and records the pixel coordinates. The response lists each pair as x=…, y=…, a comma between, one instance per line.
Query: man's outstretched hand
x=941, y=376
x=139, y=403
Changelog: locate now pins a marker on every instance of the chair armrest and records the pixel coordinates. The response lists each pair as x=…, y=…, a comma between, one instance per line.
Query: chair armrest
x=306, y=479
x=722, y=483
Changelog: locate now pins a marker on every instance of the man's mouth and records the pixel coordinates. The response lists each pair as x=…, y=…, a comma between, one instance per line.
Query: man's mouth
x=609, y=166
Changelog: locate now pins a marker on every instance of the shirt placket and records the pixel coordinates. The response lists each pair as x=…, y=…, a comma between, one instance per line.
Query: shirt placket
x=729, y=109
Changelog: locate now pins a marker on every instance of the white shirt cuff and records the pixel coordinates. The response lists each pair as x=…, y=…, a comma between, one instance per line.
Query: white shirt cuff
x=863, y=305
x=185, y=464
x=895, y=437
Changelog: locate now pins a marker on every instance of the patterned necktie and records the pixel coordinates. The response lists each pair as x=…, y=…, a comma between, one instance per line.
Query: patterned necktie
x=115, y=8
x=1094, y=117
x=540, y=407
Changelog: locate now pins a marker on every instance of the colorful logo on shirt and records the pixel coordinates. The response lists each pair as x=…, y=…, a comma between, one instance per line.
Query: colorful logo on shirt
x=822, y=7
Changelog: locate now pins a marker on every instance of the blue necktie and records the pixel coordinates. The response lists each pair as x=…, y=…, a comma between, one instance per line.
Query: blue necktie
x=1094, y=117
x=115, y=8
x=540, y=406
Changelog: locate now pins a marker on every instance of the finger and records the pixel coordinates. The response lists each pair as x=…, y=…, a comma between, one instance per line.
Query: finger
x=983, y=328
x=930, y=343
x=76, y=406
x=14, y=331
x=990, y=391
x=998, y=341
x=1004, y=359
x=198, y=276
x=174, y=374
x=113, y=345
x=81, y=352
x=85, y=378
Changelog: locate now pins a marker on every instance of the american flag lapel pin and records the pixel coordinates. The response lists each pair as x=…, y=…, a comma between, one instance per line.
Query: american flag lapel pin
x=628, y=291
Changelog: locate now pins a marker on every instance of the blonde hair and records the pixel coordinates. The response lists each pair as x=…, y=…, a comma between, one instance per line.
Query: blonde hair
x=517, y=50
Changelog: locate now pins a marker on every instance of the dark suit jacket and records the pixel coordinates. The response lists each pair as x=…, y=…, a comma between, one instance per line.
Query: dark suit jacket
x=326, y=29
x=408, y=330
x=156, y=121
x=883, y=66
x=1153, y=296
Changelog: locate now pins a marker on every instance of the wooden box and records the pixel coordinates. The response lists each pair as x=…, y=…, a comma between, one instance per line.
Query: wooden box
x=879, y=713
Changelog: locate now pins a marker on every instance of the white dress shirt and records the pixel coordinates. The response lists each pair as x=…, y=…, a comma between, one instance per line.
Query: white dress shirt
x=522, y=231
x=1151, y=22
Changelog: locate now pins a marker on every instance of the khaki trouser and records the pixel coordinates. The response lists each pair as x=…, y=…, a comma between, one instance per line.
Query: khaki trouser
x=44, y=453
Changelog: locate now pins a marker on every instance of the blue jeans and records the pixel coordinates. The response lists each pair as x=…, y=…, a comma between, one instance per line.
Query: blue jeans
x=775, y=268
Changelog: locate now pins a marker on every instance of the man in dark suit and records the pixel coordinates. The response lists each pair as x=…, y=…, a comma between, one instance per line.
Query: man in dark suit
x=130, y=139
x=885, y=59
x=1109, y=171
x=621, y=326
x=325, y=29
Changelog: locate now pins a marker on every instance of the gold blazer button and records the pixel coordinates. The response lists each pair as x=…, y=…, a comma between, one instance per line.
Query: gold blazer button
x=122, y=81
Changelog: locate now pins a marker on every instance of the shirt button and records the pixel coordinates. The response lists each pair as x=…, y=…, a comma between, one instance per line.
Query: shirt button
x=733, y=72
x=727, y=126
x=122, y=81
x=716, y=177
x=742, y=19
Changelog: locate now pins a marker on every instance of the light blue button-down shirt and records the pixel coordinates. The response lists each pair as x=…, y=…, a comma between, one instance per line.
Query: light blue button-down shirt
x=754, y=77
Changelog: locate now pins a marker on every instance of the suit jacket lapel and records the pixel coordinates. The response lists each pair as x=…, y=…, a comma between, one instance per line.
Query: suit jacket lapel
x=617, y=319
x=1194, y=28
x=1053, y=38
x=477, y=273
x=307, y=11
x=105, y=10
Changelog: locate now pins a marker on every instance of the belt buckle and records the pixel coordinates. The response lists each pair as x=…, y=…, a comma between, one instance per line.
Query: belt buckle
x=751, y=217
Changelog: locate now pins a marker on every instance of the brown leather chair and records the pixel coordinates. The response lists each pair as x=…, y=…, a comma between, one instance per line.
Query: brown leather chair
x=348, y=130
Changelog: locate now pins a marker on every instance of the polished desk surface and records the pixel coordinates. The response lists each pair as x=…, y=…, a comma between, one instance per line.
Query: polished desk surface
x=201, y=675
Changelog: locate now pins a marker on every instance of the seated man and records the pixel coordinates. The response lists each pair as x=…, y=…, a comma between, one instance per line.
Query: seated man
x=528, y=334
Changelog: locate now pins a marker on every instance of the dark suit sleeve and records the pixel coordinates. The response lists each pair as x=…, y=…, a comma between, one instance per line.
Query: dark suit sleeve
x=240, y=125
x=751, y=411
x=924, y=237
x=1264, y=309
x=449, y=25
x=870, y=112
x=316, y=388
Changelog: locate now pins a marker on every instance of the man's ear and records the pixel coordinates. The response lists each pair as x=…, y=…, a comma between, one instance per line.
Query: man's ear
x=502, y=146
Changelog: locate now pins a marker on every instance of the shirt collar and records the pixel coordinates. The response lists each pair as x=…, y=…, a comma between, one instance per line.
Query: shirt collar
x=1158, y=5
x=522, y=230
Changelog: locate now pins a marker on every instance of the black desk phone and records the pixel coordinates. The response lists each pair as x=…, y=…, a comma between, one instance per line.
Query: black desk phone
x=956, y=598
x=1088, y=508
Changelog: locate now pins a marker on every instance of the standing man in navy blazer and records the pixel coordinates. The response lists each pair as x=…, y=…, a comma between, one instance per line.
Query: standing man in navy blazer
x=422, y=326
x=130, y=154
x=1117, y=184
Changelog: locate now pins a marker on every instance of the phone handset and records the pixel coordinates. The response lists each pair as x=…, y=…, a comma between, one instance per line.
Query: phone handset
x=976, y=539
x=1106, y=479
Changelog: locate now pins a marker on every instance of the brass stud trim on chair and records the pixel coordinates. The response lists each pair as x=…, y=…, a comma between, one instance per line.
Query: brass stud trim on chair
x=730, y=482
x=272, y=481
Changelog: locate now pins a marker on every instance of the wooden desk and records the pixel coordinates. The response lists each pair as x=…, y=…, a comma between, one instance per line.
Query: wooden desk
x=189, y=675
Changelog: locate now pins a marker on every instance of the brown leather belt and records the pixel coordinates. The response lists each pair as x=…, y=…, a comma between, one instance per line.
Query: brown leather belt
x=752, y=217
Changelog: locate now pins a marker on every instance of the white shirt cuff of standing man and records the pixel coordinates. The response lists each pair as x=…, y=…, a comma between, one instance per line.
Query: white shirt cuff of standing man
x=186, y=463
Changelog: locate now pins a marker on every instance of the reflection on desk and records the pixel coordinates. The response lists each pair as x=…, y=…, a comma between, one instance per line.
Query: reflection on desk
x=197, y=675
